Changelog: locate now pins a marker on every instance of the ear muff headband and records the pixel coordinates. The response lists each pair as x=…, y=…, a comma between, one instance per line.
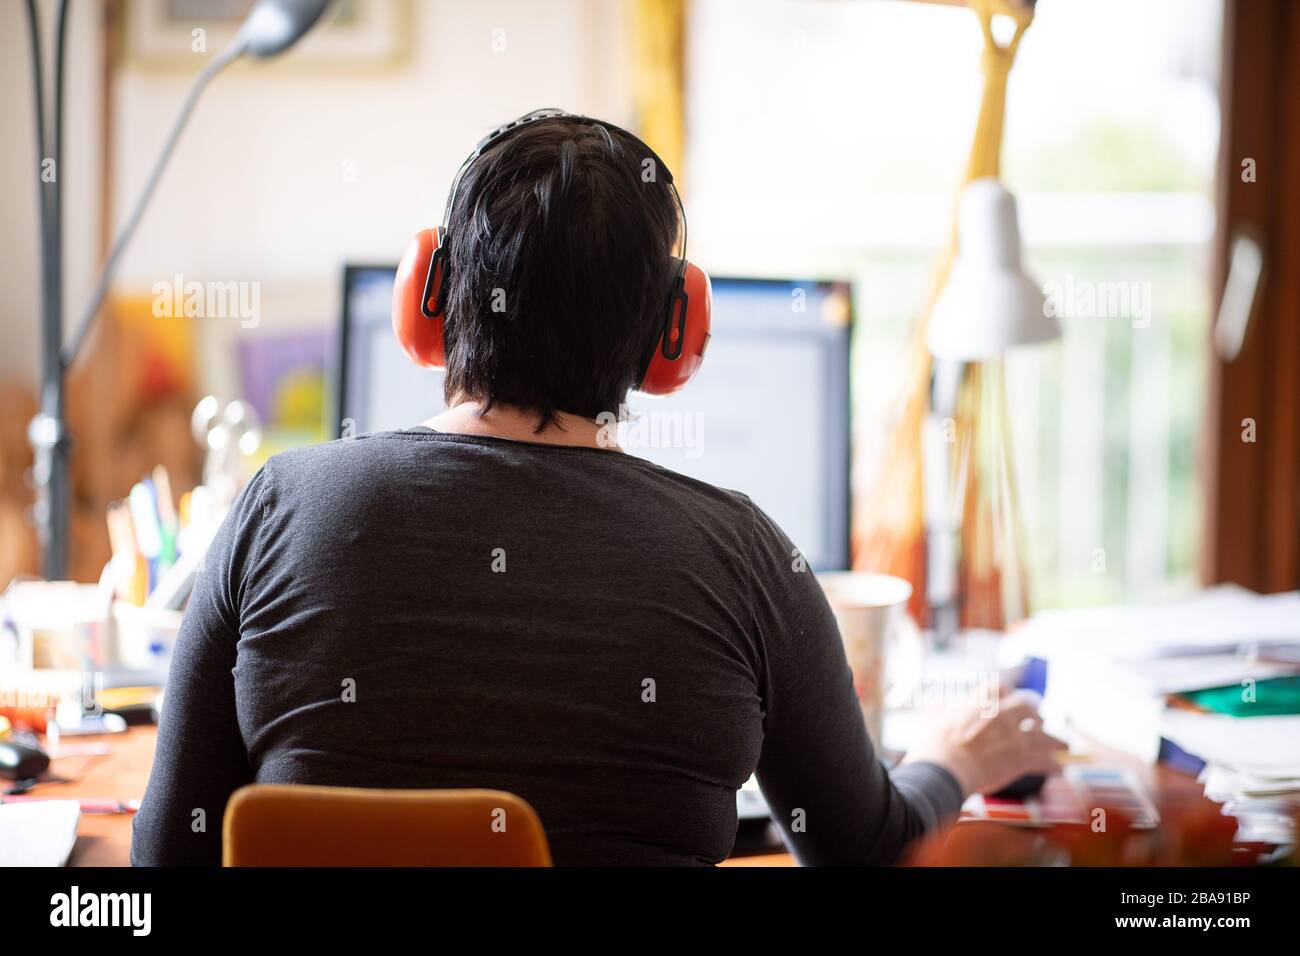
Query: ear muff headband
x=496, y=136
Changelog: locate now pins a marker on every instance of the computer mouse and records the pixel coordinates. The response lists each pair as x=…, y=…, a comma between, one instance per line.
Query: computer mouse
x=19, y=762
x=1021, y=788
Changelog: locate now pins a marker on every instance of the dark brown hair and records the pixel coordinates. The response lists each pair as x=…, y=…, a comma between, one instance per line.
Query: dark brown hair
x=559, y=270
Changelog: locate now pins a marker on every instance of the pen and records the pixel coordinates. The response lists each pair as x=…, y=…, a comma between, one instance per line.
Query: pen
x=168, y=523
x=130, y=571
x=148, y=531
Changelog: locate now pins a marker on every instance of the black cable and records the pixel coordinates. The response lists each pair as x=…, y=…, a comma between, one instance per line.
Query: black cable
x=55, y=188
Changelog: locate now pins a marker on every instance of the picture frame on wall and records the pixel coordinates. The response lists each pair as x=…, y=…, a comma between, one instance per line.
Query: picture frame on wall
x=355, y=34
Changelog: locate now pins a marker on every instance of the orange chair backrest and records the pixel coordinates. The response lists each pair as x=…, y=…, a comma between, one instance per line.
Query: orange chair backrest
x=292, y=825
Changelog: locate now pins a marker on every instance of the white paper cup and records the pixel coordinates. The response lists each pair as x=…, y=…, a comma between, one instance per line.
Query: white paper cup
x=867, y=608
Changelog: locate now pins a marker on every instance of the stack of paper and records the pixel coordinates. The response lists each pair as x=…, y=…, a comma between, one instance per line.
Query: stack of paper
x=1219, y=620
x=1111, y=671
x=1252, y=767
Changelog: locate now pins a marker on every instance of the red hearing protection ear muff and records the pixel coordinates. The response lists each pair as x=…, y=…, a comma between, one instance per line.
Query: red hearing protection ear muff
x=418, y=301
x=417, y=313
x=679, y=350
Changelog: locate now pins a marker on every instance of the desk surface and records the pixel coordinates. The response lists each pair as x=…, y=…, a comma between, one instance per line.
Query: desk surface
x=105, y=839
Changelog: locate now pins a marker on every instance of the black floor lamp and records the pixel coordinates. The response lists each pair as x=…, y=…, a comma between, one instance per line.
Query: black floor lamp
x=272, y=26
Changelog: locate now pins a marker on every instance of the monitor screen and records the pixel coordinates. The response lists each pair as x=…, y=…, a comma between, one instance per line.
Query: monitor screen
x=768, y=413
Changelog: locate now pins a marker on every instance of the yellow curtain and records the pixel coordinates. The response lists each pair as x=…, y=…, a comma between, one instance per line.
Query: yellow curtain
x=658, y=74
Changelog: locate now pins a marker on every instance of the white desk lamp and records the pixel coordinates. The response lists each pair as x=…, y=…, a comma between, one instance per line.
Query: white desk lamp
x=988, y=305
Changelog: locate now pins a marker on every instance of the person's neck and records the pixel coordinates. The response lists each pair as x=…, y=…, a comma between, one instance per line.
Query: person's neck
x=465, y=417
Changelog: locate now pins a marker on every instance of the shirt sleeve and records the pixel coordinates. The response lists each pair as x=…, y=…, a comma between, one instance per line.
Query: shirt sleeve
x=201, y=759
x=832, y=797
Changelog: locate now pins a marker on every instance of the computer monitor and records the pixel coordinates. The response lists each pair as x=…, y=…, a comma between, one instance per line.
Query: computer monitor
x=768, y=413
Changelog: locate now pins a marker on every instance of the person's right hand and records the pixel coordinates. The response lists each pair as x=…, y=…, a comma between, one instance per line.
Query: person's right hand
x=985, y=752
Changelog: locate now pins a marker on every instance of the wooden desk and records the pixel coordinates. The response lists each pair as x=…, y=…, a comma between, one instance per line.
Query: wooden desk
x=105, y=839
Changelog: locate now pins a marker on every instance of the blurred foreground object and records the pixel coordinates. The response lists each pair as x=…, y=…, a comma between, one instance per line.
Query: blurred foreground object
x=1190, y=834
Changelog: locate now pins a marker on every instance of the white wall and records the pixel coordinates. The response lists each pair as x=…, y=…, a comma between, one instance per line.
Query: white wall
x=256, y=190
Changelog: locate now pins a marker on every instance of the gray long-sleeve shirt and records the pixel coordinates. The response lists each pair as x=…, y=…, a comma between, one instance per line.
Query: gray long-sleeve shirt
x=618, y=644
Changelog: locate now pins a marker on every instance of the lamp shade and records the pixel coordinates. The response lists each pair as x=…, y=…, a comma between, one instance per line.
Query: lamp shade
x=275, y=25
x=988, y=304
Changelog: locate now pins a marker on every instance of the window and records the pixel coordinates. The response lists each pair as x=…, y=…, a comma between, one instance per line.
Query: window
x=827, y=139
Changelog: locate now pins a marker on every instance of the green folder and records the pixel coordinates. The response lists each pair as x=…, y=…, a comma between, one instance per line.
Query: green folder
x=1274, y=697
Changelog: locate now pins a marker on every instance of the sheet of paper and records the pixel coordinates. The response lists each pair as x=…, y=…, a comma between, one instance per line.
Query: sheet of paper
x=39, y=833
x=1217, y=620
x=1262, y=746
x=1173, y=675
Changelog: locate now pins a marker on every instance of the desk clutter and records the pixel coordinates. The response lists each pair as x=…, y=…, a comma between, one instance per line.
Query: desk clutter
x=151, y=535
x=1072, y=798
x=1209, y=684
x=79, y=660
x=81, y=663
x=125, y=626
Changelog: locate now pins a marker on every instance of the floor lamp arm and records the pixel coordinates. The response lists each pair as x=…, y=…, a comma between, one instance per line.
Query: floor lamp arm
x=91, y=308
